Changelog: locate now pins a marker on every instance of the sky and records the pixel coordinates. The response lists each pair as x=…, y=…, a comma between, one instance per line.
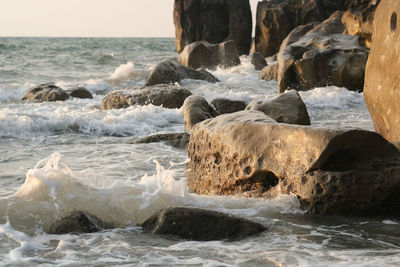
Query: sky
x=89, y=18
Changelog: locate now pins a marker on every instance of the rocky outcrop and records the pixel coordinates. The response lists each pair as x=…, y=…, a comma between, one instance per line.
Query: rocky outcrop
x=200, y=225
x=258, y=60
x=177, y=140
x=80, y=92
x=224, y=106
x=170, y=71
x=78, y=223
x=202, y=54
x=382, y=87
x=269, y=72
x=214, y=21
x=287, y=107
x=157, y=96
x=331, y=171
x=196, y=109
x=45, y=92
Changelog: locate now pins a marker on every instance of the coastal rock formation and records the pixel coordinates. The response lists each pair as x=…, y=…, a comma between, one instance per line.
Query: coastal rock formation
x=45, y=92
x=214, y=21
x=196, y=109
x=202, y=54
x=78, y=223
x=170, y=71
x=224, y=106
x=157, y=96
x=178, y=140
x=80, y=92
x=287, y=107
x=331, y=171
x=258, y=60
x=200, y=225
x=382, y=87
x=269, y=73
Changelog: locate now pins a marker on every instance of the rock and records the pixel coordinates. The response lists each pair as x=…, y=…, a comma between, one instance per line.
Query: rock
x=331, y=171
x=214, y=21
x=196, y=109
x=77, y=223
x=287, y=107
x=157, y=96
x=200, y=225
x=80, y=92
x=269, y=72
x=170, y=71
x=178, y=140
x=258, y=60
x=223, y=106
x=202, y=54
x=382, y=87
x=46, y=92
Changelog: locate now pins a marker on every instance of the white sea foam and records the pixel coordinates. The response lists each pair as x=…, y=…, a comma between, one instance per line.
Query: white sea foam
x=126, y=72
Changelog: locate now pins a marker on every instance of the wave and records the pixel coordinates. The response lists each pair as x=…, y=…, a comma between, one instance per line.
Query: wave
x=126, y=72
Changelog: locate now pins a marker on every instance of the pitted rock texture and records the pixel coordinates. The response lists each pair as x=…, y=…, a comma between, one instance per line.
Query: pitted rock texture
x=45, y=92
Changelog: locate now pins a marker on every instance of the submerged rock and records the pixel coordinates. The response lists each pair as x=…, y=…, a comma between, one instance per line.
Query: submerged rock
x=78, y=223
x=258, y=60
x=196, y=109
x=224, y=106
x=80, y=92
x=200, y=225
x=178, y=140
x=46, y=92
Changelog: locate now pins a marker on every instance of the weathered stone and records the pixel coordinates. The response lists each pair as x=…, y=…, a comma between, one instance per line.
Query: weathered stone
x=202, y=54
x=269, y=73
x=78, y=223
x=287, y=107
x=382, y=87
x=258, y=60
x=178, y=140
x=200, y=225
x=157, y=96
x=80, y=92
x=224, y=106
x=196, y=109
x=331, y=171
x=170, y=71
x=46, y=92
x=214, y=21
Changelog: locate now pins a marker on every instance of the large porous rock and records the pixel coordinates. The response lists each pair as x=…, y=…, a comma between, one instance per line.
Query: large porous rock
x=214, y=21
x=284, y=108
x=178, y=140
x=258, y=60
x=78, y=223
x=382, y=87
x=171, y=71
x=269, y=72
x=200, y=225
x=196, y=109
x=277, y=18
x=331, y=171
x=224, y=106
x=202, y=54
x=157, y=96
x=45, y=92
x=80, y=92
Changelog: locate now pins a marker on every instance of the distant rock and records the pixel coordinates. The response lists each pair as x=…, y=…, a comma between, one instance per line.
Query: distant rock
x=200, y=225
x=80, y=92
x=78, y=223
x=177, y=140
x=224, y=106
x=196, y=109
x=258, y=60
x=46, y=92
x=269, y=73
x=170, y=71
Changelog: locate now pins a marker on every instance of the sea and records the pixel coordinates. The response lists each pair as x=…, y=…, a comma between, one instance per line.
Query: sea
x=60, y=157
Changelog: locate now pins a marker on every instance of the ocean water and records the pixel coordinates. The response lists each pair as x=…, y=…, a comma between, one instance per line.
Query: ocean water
x=64, y=156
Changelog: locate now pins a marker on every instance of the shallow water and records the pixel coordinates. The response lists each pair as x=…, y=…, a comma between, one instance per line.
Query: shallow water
x=64, y=156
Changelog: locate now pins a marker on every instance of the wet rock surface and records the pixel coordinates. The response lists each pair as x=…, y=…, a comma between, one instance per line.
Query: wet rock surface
x=178, y=140
x=78, y=223
x=45, y=92
x=269, y=73
x=258, y=60
x=224, y=106
x=80, y=92
x=196, y=109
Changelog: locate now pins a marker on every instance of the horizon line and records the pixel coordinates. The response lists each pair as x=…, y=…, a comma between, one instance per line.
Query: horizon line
x=67, y=36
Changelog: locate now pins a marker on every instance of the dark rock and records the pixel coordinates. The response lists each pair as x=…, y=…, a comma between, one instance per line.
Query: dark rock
x=223, y=106
x=196, y=109
x=258, y=60
x=269, y=72
x=178, y=140
x=214, y=21
x=80, y=92
x=170, y=71
x=46, y=92
x=200, y=225
x=77, y=223
x=157, y=96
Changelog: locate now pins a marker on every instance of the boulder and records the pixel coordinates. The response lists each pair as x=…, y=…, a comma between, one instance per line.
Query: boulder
x=80, y=92
x=214, y=21
x=382, y=87
x=177, y=140
x=258, y=60
x=223, y=106
x=287, y=107
x=200, y=225
x=45, y=92
x=269, y=73
x=157, y=96
x=170, y=71
x=196, y=109
x=202, y=54
x=78, y=223
x=331, y=171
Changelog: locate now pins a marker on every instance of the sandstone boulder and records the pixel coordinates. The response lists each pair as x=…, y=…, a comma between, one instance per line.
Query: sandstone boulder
x=170, y=71
x=331, y=171
x=287, y=107
x=258, y=60
x=200, y=225
x=178, y=140
x=214, y=21
x=45, y=92
x=269, y=73
x=196, y=109
x=223, y=106
x=80, y=92
x=78, y=223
